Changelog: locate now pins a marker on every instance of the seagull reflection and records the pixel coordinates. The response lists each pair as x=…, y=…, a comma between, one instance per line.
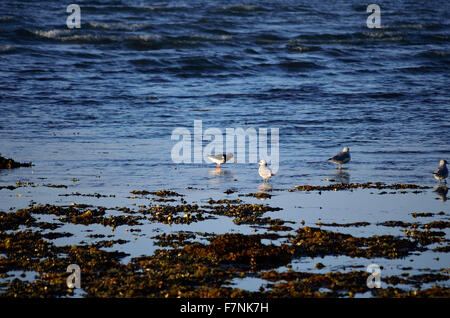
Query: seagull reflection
x=342, y=176
x=263, y=191
x=221, y=175
x=219, y=172
x=442, y=192
x=265, y=187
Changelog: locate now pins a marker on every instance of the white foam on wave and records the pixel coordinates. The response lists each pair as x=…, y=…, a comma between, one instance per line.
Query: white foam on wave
x=224, y=37
x=116, y=26
x=147, y=37
x=50, y=34
x=70, y=36
x=7, y=48
x=198, y=37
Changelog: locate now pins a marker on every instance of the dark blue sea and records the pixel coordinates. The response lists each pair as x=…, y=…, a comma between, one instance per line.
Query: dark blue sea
x=107, y=96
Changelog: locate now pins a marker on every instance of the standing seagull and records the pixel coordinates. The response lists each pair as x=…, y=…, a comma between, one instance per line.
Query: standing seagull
x=441, y=172
x=342, y=157
x=219, y=159
x=264, y=170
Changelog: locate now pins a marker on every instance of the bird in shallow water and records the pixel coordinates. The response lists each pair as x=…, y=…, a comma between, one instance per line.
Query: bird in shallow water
x=342, y=157
x=222, y=158
x=264, y=171
x=441, y=172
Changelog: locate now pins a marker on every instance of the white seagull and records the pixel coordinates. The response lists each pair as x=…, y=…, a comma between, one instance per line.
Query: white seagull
x=441, y=172
x=219, y=159
x=342, y=157
x=264, y=170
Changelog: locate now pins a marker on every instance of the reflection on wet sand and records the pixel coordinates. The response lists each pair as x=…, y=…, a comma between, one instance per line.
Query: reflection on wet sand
x=263, y=190
x=341, y=176
x=265, y=187
x=221, y=175
x=442, y=192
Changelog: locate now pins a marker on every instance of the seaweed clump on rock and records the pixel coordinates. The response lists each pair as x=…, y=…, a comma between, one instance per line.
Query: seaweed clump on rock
x=243, y=250
x=367, y=185
x=317, y=242
x=8, y=163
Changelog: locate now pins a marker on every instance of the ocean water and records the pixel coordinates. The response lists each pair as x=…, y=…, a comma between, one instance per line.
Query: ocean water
x=94, y=108
x=106, y=97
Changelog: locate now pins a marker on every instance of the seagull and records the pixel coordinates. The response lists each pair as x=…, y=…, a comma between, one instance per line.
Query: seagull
x=219, y=159
x=264, y=170
x=342, y=157
x=441, y=172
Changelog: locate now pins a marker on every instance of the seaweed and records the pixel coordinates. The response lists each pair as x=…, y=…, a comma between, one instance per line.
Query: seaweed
x=9, y=163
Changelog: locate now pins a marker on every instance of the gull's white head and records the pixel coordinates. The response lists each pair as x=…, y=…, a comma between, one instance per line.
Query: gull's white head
x=346, y=149
x=262, y=163
x=443, y=162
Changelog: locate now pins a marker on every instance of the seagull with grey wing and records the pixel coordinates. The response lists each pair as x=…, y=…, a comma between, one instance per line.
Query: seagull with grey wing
x=441, y=172
x=264, y=171
x=341, y=158
x=222, y=158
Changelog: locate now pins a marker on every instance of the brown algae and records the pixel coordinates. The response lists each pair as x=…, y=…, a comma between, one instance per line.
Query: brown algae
x=8, y=163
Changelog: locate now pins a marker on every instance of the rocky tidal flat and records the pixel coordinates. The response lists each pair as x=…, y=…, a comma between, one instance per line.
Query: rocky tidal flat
x=262, y=242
